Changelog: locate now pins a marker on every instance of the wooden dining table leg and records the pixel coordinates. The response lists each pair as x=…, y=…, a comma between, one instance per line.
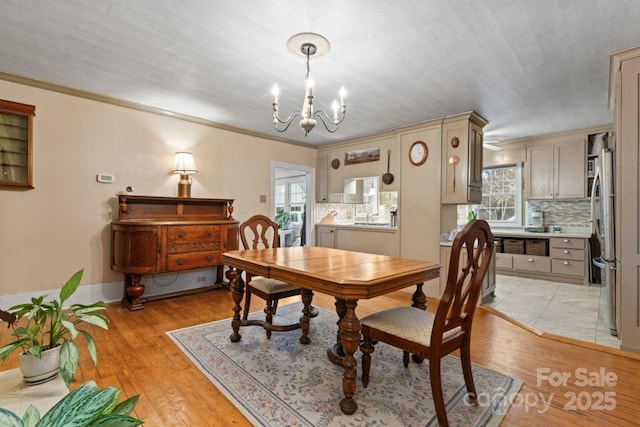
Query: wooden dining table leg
x=335, y=353
x=237, y=292
x=307, y=297
x=419, y=298
x=419, y=301
x=350, y=336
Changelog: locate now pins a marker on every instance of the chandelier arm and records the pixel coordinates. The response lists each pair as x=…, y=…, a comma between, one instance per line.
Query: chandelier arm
x=324, y=119
x=293, y=115
x=288, y=122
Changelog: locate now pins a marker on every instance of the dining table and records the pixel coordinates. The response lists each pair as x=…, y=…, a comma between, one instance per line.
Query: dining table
x=346, y=275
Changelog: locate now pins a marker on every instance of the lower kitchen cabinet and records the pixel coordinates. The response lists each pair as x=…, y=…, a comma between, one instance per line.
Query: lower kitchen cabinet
x=488, y=284
x=360, y=239
x=568, y=261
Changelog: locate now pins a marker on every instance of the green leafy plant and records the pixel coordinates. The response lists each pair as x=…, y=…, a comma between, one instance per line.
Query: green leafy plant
x=49, y=324
x=283, y=219
x=86, y=406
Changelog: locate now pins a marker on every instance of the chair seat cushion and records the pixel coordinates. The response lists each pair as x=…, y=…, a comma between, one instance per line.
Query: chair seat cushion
x=409, y=323
x=270, y=286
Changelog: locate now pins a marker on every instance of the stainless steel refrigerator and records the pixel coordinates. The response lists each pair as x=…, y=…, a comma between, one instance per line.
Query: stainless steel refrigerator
x=603, y=220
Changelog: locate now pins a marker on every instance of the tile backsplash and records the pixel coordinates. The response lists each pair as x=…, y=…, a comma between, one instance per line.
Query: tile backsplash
x=566, y=213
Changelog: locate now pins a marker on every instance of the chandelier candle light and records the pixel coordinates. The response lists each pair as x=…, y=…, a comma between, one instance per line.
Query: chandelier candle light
x=185, y=166
x=309, y=45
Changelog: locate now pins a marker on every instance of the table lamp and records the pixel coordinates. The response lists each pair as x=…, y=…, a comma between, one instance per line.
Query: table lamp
x=185, y=166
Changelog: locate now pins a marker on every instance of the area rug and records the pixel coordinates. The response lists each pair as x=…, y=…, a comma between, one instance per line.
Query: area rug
x=280, y=382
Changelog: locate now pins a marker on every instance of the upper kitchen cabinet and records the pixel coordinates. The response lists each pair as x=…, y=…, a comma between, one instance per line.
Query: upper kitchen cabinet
x=462, y=158
x=556, y=171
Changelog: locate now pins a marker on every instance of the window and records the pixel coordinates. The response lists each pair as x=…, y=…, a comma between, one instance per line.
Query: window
x=290, y=196
x=501, y=196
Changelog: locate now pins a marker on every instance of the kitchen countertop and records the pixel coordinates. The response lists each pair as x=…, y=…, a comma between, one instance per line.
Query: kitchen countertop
x=532, y=235
x=580, y=233
x=366, y=226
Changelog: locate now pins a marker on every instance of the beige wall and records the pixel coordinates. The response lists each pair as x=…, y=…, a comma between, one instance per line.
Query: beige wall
x=62, y=225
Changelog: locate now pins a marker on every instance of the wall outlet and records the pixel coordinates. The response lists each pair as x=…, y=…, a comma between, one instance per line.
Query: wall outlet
x=202, y=278
x=263, y=198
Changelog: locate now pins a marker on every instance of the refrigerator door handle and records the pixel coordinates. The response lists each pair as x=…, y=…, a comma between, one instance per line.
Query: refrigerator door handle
x=595, y=227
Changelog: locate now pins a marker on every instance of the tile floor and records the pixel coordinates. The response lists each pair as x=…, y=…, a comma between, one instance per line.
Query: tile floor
x=565, y=309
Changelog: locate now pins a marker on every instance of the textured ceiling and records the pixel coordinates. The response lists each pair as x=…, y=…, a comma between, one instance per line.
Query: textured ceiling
x=529, y=67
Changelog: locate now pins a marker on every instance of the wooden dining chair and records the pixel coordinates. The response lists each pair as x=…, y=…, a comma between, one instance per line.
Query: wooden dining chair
x=260, y=232
x=430, y=336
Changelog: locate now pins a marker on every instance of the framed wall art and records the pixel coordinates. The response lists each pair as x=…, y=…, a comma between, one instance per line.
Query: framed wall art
x=16, y=145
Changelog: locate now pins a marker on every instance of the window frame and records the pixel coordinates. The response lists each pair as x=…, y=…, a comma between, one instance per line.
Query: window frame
x=518, y=196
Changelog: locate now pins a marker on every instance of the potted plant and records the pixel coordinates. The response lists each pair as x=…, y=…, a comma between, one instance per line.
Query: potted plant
x=50, y=327
x=283, y=219
x=85, y=406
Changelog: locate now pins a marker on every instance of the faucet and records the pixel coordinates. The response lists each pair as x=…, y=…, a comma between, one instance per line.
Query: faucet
x=369, y=216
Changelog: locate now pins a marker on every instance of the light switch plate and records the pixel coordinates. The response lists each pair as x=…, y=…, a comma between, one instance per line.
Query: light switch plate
x=104, y=178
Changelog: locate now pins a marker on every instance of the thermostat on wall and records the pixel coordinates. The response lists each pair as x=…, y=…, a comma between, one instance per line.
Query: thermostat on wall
x=105, y=178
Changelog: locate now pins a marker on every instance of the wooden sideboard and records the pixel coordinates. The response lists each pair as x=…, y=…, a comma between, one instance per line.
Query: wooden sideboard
x=169, y=234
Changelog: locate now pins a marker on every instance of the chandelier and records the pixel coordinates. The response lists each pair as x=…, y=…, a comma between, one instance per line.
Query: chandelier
x=309, y=45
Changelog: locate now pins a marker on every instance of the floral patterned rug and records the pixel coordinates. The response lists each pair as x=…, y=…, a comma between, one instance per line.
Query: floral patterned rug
x=280, y=382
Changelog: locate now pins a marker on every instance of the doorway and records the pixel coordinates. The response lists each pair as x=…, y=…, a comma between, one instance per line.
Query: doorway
x=292, y=203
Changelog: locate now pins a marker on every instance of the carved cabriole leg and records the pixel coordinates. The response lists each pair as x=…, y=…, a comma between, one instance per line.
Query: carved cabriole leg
x=237, y=292
x=350, y=334
x=307, y=297
x=335, y=353
x=133, y=290
x=419, y=301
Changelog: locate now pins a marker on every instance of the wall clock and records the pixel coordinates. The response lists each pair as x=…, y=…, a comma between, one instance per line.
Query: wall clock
x=418, y=153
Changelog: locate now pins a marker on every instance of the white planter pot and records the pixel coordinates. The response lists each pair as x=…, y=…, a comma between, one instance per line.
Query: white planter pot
x=37, y=371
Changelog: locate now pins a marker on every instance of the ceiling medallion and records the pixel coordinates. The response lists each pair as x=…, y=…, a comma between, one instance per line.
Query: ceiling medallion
x=309, y=45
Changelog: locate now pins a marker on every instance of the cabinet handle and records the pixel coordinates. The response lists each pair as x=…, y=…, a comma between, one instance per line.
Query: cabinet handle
x=209, y=258
x=209, y=233
x=159, y=250
x=567, y=263
x=180, y=234
x=566, y=240
x=180, y=262
x=567, y=252
x=531, y=260
x=330, y=231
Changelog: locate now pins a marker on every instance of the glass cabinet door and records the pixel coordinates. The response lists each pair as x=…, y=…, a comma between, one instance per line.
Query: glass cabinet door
x=16, y=124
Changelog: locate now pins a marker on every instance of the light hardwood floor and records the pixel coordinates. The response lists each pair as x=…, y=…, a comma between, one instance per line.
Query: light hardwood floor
x=137, y=356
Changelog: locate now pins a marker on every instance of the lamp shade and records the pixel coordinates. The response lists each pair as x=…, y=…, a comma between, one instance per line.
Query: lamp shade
x=184, y=163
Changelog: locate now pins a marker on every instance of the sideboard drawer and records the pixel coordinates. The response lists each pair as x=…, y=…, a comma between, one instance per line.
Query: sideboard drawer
x=193, y=260
x=540, y=264
x=193, y=233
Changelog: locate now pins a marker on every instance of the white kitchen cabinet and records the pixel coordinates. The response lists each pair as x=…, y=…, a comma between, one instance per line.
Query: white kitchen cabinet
x=462, y=137
x=556, y=171
x=488, y=283
x=359, y=239
x=325, y=236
